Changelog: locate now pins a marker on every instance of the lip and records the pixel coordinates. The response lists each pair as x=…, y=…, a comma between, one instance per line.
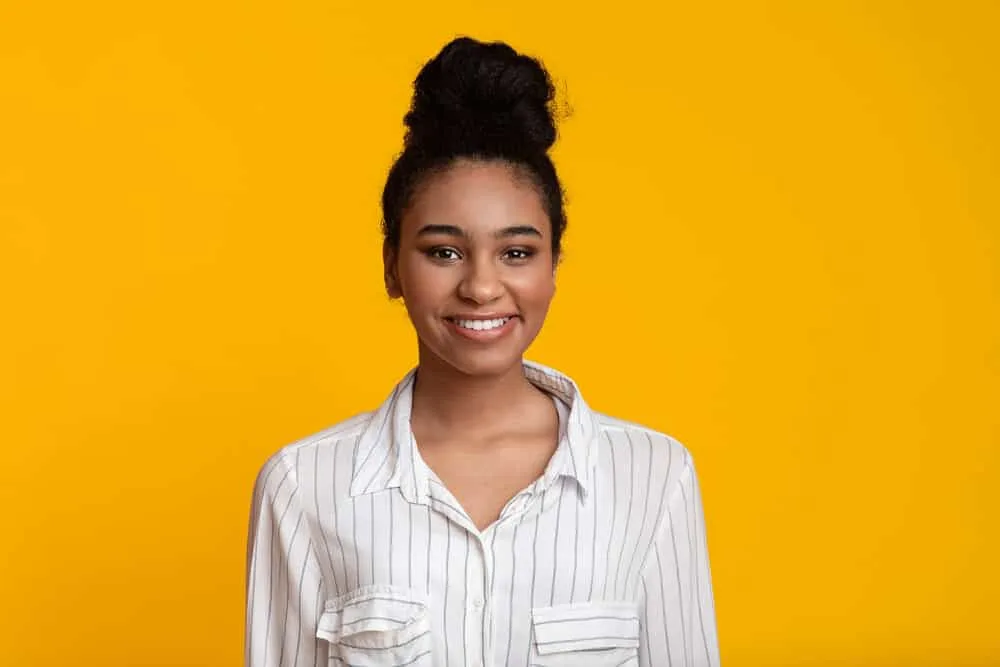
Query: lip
x=482, y=336
x=481, y=316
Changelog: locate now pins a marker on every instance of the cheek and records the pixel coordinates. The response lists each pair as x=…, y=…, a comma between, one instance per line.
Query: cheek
x=422, y=288
x=536, y=289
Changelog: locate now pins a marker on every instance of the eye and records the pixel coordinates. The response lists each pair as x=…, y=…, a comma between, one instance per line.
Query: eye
x=518, y=254
x=442, y=253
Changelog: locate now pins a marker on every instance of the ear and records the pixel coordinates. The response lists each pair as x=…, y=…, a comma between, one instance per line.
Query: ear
x=390, y=275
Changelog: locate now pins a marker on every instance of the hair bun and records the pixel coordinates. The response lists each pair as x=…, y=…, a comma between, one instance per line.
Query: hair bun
x=476, y=97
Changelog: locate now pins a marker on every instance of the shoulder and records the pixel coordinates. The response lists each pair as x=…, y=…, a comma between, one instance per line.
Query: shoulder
x=635, y=445
x=299, y=458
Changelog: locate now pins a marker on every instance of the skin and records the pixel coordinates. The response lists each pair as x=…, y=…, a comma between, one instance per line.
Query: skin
x=476, y=240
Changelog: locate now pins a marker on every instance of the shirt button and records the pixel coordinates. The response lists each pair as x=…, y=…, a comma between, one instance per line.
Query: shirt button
x=477, y=603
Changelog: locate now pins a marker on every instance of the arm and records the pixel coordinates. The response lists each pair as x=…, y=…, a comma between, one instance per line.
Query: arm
x=678, y=610
x=285, y=591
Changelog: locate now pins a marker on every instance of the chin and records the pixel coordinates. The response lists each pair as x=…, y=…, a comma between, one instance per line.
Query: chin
x=483, y=364
x=440, y=347
x=486, y=362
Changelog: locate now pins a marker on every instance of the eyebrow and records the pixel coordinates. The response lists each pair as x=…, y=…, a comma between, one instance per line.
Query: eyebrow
x=452, y=230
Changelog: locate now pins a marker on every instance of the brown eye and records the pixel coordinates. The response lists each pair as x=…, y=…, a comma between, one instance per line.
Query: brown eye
x=519, y=254
x=443, y=254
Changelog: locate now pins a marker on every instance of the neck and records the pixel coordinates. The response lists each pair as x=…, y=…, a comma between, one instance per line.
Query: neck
x=449, y=399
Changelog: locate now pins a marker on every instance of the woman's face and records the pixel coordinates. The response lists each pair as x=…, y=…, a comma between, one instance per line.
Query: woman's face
x=474, y=267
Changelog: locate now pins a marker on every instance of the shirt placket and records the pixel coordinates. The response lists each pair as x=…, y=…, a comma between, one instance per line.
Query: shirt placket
x=479, y=629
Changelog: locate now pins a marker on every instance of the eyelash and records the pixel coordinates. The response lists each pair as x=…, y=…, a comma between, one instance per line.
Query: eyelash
x=526, y=253
x=435, y=253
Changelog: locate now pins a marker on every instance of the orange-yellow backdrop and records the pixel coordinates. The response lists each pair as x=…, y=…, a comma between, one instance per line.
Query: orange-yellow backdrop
x=783, y=251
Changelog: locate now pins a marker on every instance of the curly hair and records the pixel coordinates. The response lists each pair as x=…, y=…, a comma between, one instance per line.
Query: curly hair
x=481, y=101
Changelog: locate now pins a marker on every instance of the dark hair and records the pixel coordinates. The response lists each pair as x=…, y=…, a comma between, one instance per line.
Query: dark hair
x=483, y=101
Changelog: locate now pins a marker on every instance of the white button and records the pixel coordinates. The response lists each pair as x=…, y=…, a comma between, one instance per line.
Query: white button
x=477, y=603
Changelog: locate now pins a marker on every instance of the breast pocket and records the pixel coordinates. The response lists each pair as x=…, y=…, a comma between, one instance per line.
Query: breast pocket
x=377, y=626
x=586, y=634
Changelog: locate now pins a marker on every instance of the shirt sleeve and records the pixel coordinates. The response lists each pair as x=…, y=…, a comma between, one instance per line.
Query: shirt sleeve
x=284, y=587
x=677, y=613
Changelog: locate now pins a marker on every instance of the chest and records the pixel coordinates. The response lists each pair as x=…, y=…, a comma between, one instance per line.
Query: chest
x=484, y=479
x=492, y=599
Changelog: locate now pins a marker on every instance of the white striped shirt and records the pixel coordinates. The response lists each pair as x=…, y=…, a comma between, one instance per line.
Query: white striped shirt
x=358, y=555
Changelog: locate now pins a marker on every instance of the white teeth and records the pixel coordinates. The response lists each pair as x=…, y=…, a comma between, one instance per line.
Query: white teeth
x=482, y=325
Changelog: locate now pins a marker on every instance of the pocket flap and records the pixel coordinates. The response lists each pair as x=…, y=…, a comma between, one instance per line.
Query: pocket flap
x=378, y=610
x=585, y=625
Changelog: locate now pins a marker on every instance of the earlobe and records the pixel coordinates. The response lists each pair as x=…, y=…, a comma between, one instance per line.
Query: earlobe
x=391, y=283
x=389, y=274
x=392, y=287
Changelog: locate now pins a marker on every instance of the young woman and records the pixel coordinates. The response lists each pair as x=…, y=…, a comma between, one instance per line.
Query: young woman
x=484, y=515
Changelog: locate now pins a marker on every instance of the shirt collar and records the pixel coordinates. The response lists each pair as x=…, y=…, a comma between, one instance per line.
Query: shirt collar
x=386, y=455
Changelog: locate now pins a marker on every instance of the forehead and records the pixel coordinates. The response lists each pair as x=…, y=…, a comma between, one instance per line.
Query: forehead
x=477, y=196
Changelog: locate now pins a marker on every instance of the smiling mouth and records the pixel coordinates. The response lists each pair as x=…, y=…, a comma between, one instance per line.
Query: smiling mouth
x=480, y=325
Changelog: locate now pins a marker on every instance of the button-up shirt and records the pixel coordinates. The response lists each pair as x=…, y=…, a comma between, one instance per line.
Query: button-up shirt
x=359, y=555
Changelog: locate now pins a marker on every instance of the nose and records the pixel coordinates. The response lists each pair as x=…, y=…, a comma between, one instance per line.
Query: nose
x=481, y=282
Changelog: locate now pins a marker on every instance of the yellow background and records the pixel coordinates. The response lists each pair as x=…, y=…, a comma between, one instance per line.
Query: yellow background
x=784, y=250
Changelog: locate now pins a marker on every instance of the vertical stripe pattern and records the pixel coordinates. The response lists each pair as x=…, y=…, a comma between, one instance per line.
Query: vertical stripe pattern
x=358, y=554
